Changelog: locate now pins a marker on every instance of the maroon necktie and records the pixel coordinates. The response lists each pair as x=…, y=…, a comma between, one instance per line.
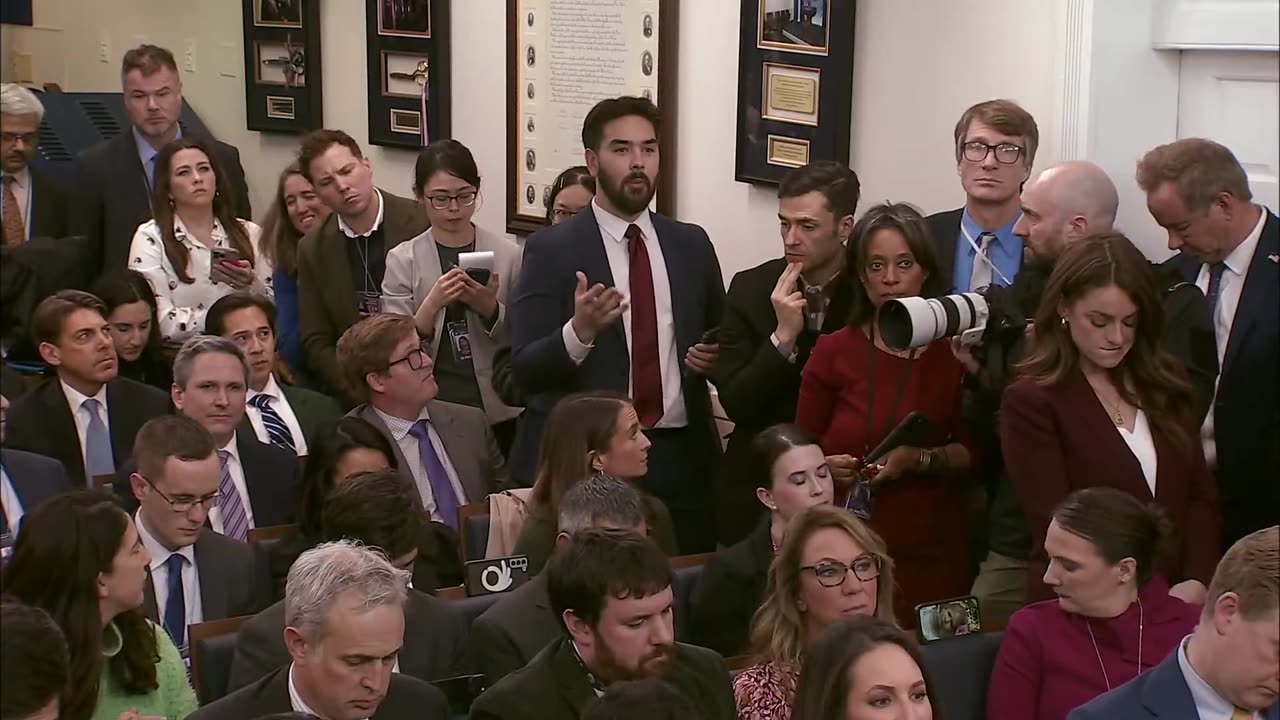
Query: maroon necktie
x=646, y=374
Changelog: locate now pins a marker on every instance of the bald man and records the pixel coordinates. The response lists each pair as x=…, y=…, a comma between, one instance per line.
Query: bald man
x=1066, y=202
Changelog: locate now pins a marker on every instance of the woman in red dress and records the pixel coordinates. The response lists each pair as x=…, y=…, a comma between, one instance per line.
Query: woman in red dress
x=855, y=389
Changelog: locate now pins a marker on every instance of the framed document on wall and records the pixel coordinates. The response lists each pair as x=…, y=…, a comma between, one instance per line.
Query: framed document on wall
x=795, y=86
x=564, y=56
x=408, y=59
x=282, y=65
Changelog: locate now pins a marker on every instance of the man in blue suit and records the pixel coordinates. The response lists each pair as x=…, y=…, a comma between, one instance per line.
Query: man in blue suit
x=1229, y=667
x=26, y=480
x=1230, y=248
x=618, y=298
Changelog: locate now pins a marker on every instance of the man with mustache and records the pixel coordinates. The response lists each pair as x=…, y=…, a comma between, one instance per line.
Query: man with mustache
x=611, y=590
x=626, y=300
x=34, y=204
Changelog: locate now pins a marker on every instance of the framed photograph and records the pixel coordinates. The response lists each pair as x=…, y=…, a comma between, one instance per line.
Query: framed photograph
x=408, y=64
x=554, y=79
x=282, y=65
x=795, y=90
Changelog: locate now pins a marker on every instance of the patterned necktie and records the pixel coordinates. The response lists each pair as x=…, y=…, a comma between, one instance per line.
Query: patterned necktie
x=98, y=459
x=1215, y=287
x=277, y=431
x=235, y=523
x=15, y=231
x=175, y=606
x=646, y=371
x=981, y=275
x=441, y=487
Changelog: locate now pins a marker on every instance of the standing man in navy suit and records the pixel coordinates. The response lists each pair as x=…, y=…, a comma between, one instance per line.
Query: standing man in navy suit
x=1230, y=248
x=622, y=299
x=1228, y=668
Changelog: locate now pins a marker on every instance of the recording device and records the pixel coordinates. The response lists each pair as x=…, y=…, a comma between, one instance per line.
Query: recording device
x=975, y=317
x=224, y=254
x=460, y=691
x=948, y=618
x=813, y=308
x=477, y=265
x=709, y=337
x=499, y=575
x=914, y=430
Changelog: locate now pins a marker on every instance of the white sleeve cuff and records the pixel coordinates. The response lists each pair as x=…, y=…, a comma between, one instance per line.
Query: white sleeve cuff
x=787, y=351
x=572, y=345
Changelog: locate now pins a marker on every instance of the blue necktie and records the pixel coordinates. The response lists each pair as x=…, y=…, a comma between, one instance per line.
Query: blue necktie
x=98, y=459
x=441, y=488
x=277, y=431
x=175, y=606
x=1215, y=285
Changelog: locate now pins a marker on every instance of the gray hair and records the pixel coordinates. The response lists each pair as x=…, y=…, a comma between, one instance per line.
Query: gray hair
x=600, y=500
x=201, y=345
x=17, y=100
x=344, y=571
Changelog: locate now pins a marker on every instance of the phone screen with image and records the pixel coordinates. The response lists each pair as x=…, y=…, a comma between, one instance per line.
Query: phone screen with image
x=948, y=618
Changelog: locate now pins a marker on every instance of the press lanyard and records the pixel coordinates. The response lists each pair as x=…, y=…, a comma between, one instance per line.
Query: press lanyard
x=977, y=250
x=871, y=388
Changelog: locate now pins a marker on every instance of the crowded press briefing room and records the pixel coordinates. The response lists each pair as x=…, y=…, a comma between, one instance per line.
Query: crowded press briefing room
x=640, y=360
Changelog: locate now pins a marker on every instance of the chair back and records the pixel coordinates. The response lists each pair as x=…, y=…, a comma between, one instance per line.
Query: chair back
x=271, y=532
x=686, y=571
x=103, y=482
x=213, y=644
x=472, y=607
x=959, y=672
x=473, y=528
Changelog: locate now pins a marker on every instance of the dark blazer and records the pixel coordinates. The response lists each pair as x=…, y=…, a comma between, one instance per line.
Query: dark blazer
x=35, y=478
x=730, y=591
x=758, y=387
x=270, y=476
x=553, y=686
x=112, y=196
x=49, y=206
x=434, y=642
x=41, y=422
x=407, y=699
x=1246, y=416
x=309, y=407
x=945, y=227
x=543, y=303
x=513, y=630
x=228, y=585
x=326, y=297
x=1160, y=693
x=1059, y=439
x=13, y=384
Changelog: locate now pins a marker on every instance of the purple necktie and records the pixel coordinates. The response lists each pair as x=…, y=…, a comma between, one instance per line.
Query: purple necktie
x=441, y=487
x=235, y=523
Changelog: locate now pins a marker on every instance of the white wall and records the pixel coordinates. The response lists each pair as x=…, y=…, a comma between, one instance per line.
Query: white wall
x=917, y=65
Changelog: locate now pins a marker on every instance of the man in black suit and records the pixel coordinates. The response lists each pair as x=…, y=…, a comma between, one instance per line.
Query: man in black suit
x=114, y=179
x=378, y=510
x=995, y=146
x=1229, y=247
x=87, y=417
x=773, y=315
x=26, y=480
x=611, y=590
x=277, y=413
x=37, y=202
x=344, y=624
x=622, y=299
x=195, y=574
x=516, y=628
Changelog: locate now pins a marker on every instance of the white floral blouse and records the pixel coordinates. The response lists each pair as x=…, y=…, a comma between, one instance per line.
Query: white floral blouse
x=182, y=306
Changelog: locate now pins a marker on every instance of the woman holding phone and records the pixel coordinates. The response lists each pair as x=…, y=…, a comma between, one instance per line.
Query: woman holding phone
x=453, y=280
x=195, y=250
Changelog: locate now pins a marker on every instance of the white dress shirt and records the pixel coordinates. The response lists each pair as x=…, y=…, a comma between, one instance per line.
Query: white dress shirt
x=409, y=448
x=1209, y=704
x=11, y=502
x=1230, y=286
x=280, y=404
x=21, y=186
x=1143, y=447
x=236, y=468
x=75, y=399
x=300, y=706
x=377, y=220
x=181, y=306
x=613, y=229
x=160, y=576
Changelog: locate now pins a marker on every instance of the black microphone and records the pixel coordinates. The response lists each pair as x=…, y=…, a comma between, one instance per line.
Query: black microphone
x=913, y=430
x=813, y=308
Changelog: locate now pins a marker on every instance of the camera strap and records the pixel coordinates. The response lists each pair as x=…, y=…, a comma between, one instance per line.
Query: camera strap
x=871, y=392
x=980, y=256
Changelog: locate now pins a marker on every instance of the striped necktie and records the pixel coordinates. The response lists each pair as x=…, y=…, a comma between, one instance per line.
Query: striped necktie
x=277, y=431
x=235, y=523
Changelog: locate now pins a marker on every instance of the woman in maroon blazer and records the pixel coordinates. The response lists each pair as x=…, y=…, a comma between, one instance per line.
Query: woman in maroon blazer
x=1100, y=403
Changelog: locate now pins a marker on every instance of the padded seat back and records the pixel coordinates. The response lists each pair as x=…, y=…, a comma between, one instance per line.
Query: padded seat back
x=960, y=670
x=212, y=646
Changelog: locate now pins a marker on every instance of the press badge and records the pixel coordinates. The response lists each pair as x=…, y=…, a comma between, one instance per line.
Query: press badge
x=368, y=304
x=460, y=339
x=860, y=500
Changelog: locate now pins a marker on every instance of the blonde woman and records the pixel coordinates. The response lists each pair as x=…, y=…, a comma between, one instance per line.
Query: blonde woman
x=831, y=567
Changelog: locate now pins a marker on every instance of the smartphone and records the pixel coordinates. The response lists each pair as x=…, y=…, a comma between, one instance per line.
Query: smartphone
x=948, y=618
x=709, y=337
x=477, y=265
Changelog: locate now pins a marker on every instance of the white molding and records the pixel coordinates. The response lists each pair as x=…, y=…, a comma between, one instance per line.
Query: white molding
x=1075, y=61
x=1216, y=25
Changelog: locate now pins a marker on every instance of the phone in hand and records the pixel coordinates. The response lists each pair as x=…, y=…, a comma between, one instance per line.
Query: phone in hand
x=221, y=255
x=477, y=265
x=948, y=618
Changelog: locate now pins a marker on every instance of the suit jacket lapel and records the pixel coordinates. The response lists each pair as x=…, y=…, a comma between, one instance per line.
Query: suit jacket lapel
x=595, y=265
x=130, y=163
x=1259, y=295
x=213, y=598
x=570, y=678
x=456, y=444
x=123, y=429
x=368, y=413
x=1166, y=693
x=1109, y=434
x=63, y=425
x=331, y=251
x=149, y=607
x=684, y=288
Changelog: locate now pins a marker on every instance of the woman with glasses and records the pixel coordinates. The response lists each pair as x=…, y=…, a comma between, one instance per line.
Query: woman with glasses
x=453, y=280
x=830, y=567
x=570, y=194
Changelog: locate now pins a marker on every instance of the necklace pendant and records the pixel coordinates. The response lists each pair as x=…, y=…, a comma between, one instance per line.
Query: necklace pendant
x=1119, y=418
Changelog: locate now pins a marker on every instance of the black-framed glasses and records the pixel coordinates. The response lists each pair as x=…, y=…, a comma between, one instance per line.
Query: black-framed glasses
x=183, y=505
x=865, y=567
x=466, y=198
x=560, y=214
x=416, y=358
x=1006, y=153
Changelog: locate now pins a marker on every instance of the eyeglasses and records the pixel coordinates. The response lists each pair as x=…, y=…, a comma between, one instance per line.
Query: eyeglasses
x=1006, y=153
x=560, y=214
x=832, y=573
x=183, y=505
x=26, y=138
x=417, y=358
x=466, y=198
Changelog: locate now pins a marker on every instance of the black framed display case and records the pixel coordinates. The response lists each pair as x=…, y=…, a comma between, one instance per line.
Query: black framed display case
x=408, y=59
x=282, y=78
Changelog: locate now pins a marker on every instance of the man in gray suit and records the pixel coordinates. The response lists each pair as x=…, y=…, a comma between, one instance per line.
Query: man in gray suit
x=447, y=450
x=195, y=574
